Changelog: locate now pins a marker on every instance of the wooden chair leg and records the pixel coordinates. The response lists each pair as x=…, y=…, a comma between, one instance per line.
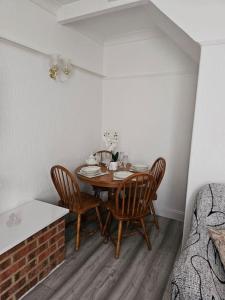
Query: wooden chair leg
x=154, y=215
x=78, y=232
x=120, y=230
x=106, y=223
x=127, y=226
x=99, y=220
x=146, y=234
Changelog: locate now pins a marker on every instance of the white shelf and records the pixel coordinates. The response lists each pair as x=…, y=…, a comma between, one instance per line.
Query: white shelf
x=28, y=219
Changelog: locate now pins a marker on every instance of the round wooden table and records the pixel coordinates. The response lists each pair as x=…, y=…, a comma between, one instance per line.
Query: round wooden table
x=104, y=181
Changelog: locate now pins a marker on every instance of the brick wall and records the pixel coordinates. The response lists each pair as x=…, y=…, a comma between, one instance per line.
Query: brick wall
x=27, y=263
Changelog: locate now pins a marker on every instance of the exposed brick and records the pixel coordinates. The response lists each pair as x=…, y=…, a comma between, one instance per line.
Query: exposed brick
x=60, y=258
x=55, y=255
x=56, y=223
x=38, y=268
x=44, y=255
x=22, y=291
x=36, y=235
x=24, y=265
x=47, y=235
x=53, y=264
x=12, y=269
x=28, y=286
x=44, y=273
x=44, y=263
x=25, y=270
x=5, y=285
x=33, y=272
x=37, y=251
x=26, y=249
x=33, y=282
x=13, y=289
x=5, y=296
x=53, y=248
x=61, y=225
x=13, y=250
x=61, y=242
x=56, y=237
x=5, y=264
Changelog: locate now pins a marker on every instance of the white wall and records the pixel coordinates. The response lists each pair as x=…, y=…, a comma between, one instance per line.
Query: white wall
x=203, y=21
x=176, y=34
x=28, y=24
x=207, y=161
x=42, y=122
x=149, y=97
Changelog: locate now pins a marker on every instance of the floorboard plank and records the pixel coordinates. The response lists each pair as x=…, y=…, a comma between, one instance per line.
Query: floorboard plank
x=94, y=273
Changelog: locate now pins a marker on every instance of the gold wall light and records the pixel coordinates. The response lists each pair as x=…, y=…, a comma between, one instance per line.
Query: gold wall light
x=60, y=68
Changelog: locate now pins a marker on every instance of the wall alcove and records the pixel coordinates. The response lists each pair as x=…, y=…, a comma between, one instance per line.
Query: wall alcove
x=138, y=73
x=149, y=91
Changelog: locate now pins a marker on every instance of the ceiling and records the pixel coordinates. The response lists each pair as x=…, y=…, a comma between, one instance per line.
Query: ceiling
x=52, y=5
x=117, y=25
x=128, y=23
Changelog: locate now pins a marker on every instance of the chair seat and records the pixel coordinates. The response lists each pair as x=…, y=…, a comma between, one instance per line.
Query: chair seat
x=87, y=202
x=110, y=205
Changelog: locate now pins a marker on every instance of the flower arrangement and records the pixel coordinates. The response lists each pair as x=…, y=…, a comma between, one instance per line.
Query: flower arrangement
x=111, y=139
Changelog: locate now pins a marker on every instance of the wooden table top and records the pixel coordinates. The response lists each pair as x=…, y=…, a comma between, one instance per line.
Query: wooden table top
x=101, y=181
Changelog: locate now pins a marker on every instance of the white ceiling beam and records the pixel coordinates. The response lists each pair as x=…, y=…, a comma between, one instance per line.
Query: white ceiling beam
x=89, y=8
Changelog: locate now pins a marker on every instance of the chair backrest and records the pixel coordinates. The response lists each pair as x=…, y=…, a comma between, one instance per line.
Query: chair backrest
x=67, y=187
x=102, y=155
x=158, y=170
x=134, y=195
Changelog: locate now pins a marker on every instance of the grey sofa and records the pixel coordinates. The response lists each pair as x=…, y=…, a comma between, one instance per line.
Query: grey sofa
x=198, y=272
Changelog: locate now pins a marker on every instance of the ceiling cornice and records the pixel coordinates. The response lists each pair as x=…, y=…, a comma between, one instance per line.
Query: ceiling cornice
x=50, y=6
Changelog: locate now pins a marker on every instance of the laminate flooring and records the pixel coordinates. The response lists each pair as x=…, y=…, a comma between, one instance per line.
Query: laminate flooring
x=94, y=273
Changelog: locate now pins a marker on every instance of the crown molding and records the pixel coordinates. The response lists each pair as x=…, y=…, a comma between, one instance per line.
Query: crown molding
x=74, y=11
x=151, y=74
x=50, y=6
x=134, y=36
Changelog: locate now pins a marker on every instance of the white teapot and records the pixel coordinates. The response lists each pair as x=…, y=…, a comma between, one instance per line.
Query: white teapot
x=91, y=160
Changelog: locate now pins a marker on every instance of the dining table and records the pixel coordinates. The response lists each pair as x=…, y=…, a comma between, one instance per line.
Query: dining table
x=106, y=180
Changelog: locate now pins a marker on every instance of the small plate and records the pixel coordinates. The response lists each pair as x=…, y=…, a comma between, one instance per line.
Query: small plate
x=139, y=166
x=91, y=169
x=122, y=174
x=90, y=174
x=138, y=171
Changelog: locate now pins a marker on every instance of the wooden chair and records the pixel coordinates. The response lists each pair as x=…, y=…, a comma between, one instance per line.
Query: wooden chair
x=77, y=202
x=102, y=155
x=157, y=170
x=131, y=205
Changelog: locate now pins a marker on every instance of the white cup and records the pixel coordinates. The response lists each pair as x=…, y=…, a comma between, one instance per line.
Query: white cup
x=113, y=166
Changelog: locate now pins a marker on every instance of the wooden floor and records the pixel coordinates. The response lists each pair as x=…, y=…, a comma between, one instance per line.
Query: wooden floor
x=94, y=273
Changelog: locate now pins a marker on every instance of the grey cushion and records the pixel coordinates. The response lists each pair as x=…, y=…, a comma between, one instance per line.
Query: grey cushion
x=198, y=273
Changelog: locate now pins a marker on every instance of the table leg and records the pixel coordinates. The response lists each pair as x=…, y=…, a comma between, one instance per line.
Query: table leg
x=112, y=194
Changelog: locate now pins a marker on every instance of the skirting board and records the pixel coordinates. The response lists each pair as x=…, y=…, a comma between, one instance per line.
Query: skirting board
x=160, y=211
x=170, y=213
x=39, y=282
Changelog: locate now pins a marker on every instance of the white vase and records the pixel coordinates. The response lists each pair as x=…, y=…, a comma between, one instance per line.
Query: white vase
x=113, y=166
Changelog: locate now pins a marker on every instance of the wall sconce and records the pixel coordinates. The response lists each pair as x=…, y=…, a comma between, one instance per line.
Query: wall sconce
x=60, y=69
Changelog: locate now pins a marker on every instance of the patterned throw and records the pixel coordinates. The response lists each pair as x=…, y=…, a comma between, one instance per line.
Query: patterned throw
x=198, y=273
x=218, y=237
